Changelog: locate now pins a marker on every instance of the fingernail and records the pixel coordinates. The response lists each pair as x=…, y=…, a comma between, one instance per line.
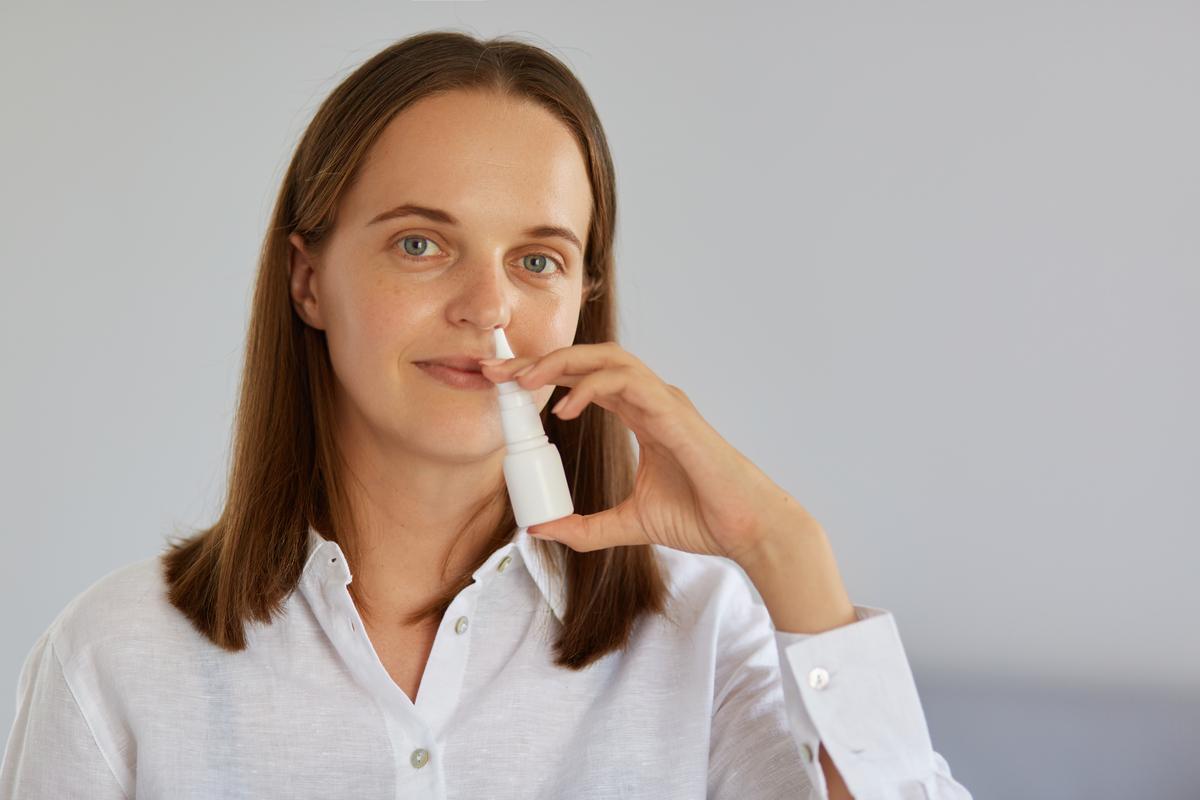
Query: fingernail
x=491, y=362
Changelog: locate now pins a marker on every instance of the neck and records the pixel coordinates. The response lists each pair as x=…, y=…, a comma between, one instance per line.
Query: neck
x=419, y=523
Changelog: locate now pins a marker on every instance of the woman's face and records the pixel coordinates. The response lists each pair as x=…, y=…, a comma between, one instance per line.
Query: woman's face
x=390, y=291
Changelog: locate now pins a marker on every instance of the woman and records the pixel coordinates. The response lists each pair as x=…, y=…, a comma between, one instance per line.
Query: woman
x=365, y=620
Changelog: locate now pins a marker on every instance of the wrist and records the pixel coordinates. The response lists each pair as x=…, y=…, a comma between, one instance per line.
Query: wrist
x=778, y=535
x=794, y=570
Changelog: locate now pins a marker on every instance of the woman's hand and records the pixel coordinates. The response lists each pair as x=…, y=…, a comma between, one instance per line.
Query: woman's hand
x=693, y=491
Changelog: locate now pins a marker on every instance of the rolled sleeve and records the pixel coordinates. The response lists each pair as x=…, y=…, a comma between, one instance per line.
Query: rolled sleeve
x=851, y=690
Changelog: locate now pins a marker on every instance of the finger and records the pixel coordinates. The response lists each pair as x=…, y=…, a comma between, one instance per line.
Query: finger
x=611, y=389
x=506, y=369
x=505, y=366
x=575, y=360
x=500, y=376
x=585, y=533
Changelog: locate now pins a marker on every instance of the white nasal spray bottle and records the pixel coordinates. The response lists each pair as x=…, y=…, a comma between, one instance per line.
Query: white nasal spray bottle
x=533, y=468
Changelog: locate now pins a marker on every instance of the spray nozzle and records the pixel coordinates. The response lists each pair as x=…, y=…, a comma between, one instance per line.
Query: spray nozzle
x=501, y=341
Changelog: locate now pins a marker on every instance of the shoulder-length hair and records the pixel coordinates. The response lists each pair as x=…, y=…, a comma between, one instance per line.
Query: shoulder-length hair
x=285, y=470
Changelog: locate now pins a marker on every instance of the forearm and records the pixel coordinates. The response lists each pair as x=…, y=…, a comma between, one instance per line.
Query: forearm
x=796, y=573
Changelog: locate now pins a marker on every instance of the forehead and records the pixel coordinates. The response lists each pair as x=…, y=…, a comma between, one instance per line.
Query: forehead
x=482, y=157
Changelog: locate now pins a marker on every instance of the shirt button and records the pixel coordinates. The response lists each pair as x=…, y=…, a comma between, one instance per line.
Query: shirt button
x=806, y=751
x=504, y=562
x=461, y=625
x=818, y=678
x=419, y=758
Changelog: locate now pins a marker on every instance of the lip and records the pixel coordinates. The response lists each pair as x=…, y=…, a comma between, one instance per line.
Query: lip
x=468, y=362
x=458, y=378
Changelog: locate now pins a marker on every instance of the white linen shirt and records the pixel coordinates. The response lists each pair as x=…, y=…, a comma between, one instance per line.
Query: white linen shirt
x=121, y=698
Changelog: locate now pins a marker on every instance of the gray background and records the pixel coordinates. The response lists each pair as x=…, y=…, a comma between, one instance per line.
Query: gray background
x=935, y=267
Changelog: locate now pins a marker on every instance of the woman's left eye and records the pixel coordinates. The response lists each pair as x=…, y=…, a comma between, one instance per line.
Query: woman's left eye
x=544, y=259
x=420, y=251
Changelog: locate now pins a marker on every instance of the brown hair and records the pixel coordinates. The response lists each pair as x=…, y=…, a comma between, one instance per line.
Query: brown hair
x=285, y=470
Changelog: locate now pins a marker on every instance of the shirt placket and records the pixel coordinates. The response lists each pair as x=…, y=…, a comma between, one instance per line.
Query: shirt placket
x=417, y=732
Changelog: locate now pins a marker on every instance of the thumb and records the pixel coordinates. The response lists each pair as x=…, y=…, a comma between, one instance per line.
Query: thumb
x=586, y=532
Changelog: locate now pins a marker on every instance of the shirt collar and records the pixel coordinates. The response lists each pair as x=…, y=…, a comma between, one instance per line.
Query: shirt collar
x=326, y=564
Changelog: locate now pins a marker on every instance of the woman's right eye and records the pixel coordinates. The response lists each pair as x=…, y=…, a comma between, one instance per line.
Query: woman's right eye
x=418, y=251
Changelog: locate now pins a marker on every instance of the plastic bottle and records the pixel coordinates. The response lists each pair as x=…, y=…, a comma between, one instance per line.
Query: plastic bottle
x=533, y=468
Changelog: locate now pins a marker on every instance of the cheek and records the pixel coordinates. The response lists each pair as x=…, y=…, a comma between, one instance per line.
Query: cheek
x=370, y=326
x=560, y=322
x=561, y=328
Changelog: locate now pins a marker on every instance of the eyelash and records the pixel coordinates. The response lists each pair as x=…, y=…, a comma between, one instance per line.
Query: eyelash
x=561, y=267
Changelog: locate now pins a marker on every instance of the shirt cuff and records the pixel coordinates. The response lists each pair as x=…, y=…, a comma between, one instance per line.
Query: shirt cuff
x=850, y=690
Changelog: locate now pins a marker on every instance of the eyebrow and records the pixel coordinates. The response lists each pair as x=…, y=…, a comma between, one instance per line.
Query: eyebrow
x=437, y=215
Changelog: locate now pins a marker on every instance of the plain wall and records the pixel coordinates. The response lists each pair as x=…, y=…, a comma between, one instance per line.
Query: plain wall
x=935, y=267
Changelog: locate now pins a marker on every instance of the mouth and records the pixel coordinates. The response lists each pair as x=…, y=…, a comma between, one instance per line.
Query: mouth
x=457, y=378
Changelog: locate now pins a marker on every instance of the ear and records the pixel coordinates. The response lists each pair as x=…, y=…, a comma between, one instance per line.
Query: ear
x=303, y=283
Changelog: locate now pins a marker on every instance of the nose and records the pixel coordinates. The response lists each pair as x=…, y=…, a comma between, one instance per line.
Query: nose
x=485, y=296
